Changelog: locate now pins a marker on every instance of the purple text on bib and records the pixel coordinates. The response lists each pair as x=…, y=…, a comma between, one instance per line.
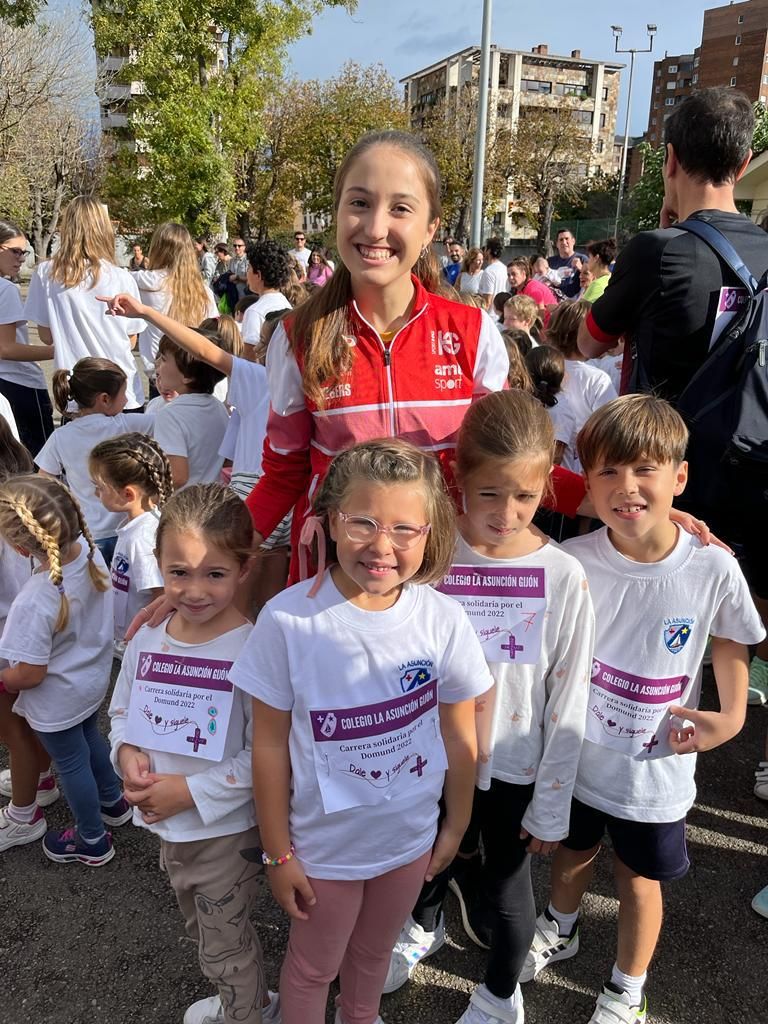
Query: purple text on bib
x=201, y=673
x=334, y=724
x=479, y=581
x=637, y=688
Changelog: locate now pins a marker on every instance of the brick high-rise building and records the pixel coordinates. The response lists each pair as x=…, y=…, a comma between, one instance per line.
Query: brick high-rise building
x=733, y=52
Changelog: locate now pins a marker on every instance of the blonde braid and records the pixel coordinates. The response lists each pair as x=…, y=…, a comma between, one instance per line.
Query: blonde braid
x=159, y=475
x=50, y=545
x=98, y=578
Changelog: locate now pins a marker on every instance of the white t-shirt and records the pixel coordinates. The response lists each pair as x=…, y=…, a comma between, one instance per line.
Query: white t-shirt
x=79, y=323
x=7, y=413
x=193, y=426
x=610, y=365
x=12, y=312
x=134, y=568
x=531, y=725
x=493, y=279
x=653, y=621
x=65, y=454
x=222, y=790
x=564, y=421
x=302, y=255
x=79, y=657
x=151, y=285
x=363, y=688
x=585, y=389
x=253, y=318
x=470, y=282
x=243, y=442
x=15, y=570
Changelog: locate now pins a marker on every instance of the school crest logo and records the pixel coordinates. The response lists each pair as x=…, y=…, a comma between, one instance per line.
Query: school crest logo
x=121, y=564
x=413, y=677
x=676, y=634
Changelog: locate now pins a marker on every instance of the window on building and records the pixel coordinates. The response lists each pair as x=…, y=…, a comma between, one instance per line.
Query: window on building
x=605, y=93
x=600, y=145
x=735, y=62
x=686, y=83
x=741, y=19
x=657, y=89
x=763, y=100
x=733, y=80
x=671, y=84
x=672, y=69
x=737, y=41
x=570, y=89
x=669, y=102
x=765, y=79
x=602, y=120
x=695, y=62
x=583, y=116
x=653, y=120
x=694, y=80
x=531, y=85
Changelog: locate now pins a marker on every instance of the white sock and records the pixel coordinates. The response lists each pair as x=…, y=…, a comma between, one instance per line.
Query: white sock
x=631, y=984
x=92, y=842
x=565, y=922
x=22, y=815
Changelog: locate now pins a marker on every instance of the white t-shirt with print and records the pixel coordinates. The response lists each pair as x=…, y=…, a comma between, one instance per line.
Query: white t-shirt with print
x=79, y=657
x=151, y=285
x=15, y=570
x=243, y=442
x=65, y=454
x=253, y=318
x=653, y=621
x=535, y=713
x=134, y=568
x=79, y=323
x=222, y=790
x=493, y=279
x=193, y=426
x=30, y=375
x=363, y=689
x=564, y=422
x=585, y=389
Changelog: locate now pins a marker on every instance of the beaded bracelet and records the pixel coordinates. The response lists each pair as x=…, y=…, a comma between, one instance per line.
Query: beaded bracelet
x=270, y=863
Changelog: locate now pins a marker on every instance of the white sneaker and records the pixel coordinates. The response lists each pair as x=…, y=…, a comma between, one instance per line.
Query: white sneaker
x=17, y=833
x=410, y=949
x=486, y=1008
x=548, y=946
x=210, y=1011
x=338, y=1019
x=47, y=791
x=761, y=781
x=613, y=1007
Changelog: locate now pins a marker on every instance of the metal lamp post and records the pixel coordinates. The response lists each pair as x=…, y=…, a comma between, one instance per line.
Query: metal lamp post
x=478, y=175
x=617, y=30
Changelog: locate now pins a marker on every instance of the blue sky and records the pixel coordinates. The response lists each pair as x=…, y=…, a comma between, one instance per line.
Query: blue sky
x=406, y=36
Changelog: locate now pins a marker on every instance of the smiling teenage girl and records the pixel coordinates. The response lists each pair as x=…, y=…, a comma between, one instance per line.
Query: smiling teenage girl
x=377, y=351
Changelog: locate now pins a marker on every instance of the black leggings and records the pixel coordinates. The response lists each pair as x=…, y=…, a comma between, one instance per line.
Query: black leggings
x=32, y=411
x=508, y=891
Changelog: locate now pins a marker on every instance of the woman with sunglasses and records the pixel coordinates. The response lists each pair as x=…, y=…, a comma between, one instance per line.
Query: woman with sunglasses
x=21, y=379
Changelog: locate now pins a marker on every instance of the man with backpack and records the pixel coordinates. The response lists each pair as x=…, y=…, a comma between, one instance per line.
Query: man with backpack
x=692, y=327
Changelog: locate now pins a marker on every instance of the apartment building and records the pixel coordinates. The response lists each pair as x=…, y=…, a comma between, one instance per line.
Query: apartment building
x=733, y=52
x=520, y=79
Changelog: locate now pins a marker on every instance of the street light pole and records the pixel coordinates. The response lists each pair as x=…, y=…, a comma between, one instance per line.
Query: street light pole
x=478, y=174
x=617, y=30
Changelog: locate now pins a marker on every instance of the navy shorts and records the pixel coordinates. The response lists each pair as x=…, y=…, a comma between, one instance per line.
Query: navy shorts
x=652, y=849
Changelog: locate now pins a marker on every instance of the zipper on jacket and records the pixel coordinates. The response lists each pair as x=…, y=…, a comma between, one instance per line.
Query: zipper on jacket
x=388, y=367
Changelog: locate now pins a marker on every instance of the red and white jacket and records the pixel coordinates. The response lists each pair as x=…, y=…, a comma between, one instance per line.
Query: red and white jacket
x=417, y=388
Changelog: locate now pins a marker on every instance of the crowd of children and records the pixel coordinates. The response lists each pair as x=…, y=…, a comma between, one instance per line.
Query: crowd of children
x=442, y=693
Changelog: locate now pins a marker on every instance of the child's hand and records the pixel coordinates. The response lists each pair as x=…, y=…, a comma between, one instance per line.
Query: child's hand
x=445, y=849
x=122, y=305
x=541, y=846
x=287, y=882
x=698, y=528
x=152, y=614
x=134, y=767
x=168, y=795
x=708, y=729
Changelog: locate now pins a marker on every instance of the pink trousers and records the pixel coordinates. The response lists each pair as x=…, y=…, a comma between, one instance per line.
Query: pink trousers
x=350, y=932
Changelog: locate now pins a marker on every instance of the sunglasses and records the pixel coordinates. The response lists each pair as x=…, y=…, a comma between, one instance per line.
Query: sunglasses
x=21, y=253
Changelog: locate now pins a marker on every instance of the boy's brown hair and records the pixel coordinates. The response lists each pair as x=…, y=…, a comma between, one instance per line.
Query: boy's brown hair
x=200, y=377
x=632, y=428
x=563, y=326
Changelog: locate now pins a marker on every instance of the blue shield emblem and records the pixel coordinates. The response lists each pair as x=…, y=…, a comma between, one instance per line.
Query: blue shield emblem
x=676, y=635
x=414, y=677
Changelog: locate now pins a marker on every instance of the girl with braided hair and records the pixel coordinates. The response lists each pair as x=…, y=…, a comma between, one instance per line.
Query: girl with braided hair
x=92, y=397
x=132, y=477
x=57, y=649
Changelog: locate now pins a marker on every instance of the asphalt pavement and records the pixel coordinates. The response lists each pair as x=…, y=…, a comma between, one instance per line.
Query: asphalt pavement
x=106, y=946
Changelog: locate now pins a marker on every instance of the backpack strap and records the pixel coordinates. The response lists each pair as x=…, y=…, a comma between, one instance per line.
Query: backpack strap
x=717, y=241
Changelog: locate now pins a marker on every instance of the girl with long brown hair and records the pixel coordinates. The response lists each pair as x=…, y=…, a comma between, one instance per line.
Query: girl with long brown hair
x=62, y=295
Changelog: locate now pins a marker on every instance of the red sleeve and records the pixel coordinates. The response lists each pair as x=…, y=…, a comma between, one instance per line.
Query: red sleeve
x=285, y=479
x=598, y=333
x=569, y=490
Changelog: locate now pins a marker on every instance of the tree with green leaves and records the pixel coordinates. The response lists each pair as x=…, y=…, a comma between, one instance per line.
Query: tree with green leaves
x=20, y=13
x=202, y=66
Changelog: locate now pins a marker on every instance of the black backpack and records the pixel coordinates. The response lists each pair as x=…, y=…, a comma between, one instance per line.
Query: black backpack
x=725, y=404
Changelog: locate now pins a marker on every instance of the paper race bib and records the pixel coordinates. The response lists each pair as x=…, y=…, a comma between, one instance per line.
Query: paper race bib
x=365, y=755
x=180, y=705
x=505, y=606
x=625, y=711
x=730, y=303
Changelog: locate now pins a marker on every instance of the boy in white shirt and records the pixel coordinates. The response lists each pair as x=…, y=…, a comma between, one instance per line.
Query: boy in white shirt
x=189, y=429
x=269, y=270
x=658, y=595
